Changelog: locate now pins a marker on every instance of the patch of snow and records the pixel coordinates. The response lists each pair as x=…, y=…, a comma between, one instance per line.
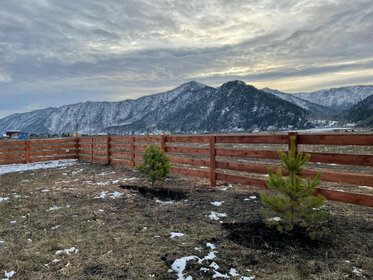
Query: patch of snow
x=112, y=195
x=233, y=272
x=3, y=198
x=214, y=265
x=217, y=203
x=10, y=168
x=45, y=191
x=277, y=219
x=253, y=197
x=247, y=277
x=53, y=208
x=220, y=275
x=29, y=240
x=67, y=251
x=115, y=181
x=55, y=227
x=2, y=241
x=179, y=265
x=156, y=236
x=357, y=271
x=176, y=234
x=216, y=216
x=9, y=274
x=100, y=210
x=56, y=260
x=165, y=202
x=68, y=264
x=13, y=222
x=204, y=269
x=77, y=171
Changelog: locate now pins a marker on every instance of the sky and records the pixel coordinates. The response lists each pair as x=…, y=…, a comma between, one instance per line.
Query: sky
x=55, y=52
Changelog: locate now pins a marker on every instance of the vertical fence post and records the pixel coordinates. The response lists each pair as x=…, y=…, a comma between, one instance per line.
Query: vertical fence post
x=163, y=142
x=27, y=151
x=212, y=161
x=91, y=149
x=296, y=141
x=133, y=152
x=77, y=147
x=108, y=146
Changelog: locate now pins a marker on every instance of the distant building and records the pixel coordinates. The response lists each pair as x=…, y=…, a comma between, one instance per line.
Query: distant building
x=13, y=134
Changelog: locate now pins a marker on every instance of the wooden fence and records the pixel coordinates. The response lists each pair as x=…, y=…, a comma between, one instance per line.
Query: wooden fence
x=230, y=159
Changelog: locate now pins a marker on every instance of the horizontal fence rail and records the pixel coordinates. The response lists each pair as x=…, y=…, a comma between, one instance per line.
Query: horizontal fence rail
x=232, y=159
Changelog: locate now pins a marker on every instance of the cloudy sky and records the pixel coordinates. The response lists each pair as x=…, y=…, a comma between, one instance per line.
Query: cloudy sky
x=55, y=52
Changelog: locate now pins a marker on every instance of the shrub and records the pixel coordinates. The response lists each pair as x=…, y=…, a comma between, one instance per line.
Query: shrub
x=294, y=203
x=156, y=164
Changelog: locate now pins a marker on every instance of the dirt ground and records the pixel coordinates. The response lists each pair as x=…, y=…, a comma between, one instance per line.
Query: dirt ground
x=91, y=221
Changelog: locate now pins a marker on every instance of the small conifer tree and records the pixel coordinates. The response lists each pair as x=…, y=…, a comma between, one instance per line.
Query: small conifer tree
x=156, y=164
x=294, y=203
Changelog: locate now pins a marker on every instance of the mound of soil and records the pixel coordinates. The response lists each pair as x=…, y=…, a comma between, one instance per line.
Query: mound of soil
x=160, y=193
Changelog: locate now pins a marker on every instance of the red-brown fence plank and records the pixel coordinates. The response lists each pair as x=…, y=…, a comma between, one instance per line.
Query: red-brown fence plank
x=190, y=161
x=350, y=159
x=188, y=139
x=120, y=146
x=12, y=149
x=351, y=139
x=50, y=147
x=187, y=150
x=120, y=154
x=120, y=138
x=245, y=167
x=46, y=153
x=139, y=148
x=12, y=143
x=340, y=177
x=36, y=159
x=150, y=139
x=12, y=161
x=190, y=172
x=46, y=141
x=99, y=152
x=247, y=153
x=347, y=197
x=13, y=155
x=254, y=139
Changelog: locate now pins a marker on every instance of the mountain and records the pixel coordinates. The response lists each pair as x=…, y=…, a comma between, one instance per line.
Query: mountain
x=191, y=107
x=337, y=98
x=234, y=106
x=362, y=112
x=307, y=105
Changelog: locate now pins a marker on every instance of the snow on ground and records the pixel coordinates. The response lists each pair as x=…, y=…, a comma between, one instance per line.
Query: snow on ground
x=67, y=251
x=3, y=198
x=217, y=203
x=9, y=274
x=112, y=195
x=176, y=234
x=10, y=168
x=216, y=216
x=164, y=202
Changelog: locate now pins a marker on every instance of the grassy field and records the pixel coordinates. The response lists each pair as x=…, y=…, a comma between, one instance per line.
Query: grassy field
x=90, y=221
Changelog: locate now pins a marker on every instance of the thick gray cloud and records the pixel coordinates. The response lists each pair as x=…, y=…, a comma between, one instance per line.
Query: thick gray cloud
x=59, y=52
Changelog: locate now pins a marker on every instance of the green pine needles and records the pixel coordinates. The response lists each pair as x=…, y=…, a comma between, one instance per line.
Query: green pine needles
x=156, y=164
x=294, y=204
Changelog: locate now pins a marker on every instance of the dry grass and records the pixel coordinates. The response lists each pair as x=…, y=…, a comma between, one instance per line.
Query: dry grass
x=118, y=238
